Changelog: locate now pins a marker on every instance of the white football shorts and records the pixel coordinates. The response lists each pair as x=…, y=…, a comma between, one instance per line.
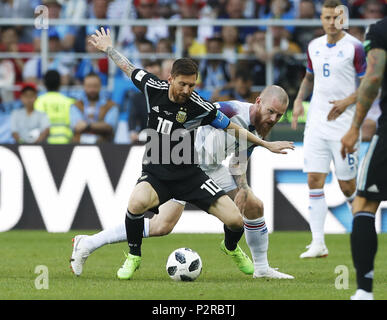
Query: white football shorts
x=319, y=152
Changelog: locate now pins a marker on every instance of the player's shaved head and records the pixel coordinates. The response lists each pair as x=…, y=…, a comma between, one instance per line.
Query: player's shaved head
x=274, y=92
x=268, y=109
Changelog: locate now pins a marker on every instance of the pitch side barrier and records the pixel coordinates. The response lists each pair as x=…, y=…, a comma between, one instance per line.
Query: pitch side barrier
x=62, y=187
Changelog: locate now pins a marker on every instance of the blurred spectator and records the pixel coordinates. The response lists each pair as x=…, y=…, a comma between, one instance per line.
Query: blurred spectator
x=166, y=67
x=234, y=9
x=164, y=46
x=119, y=9
x=29, y=125
x=92, y=65
x=373, y=9
x=231, y=43
x=93, y=119
x=256, y=44
x=10, y=43
x=192, y=9
x=288, y=71
x=6, y=109
x=140, y=45
x=74, y=9
x=241, y=89
x=63, y=64
x=166, y=8
x=7, y=80
x=303, y=35
x=278, y=9
x=57, y=107
x=66, y=33
x=138, y=114
x=19, y=9
x=154, y=67
x=214, y=72
x=145, y=9
x=97, y=9
x=191, y=46
x=357, y=32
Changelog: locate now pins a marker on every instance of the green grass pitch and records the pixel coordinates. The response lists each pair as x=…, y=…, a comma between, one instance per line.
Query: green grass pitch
x=22, y=251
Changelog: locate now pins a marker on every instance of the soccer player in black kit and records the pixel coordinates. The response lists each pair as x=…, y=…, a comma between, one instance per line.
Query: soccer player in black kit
x=174, y=111
x=372, y=184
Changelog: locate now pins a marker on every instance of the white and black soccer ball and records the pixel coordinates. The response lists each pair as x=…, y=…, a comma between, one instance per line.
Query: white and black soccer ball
x=184, y=264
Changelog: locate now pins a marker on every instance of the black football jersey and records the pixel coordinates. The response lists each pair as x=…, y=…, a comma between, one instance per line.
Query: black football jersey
x=376, y=37
x=170, y=127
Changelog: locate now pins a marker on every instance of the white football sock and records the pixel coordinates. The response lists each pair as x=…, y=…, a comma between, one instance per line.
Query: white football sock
x=317, y=212
x=111, y=235
x=257, y=238
x=146, y=228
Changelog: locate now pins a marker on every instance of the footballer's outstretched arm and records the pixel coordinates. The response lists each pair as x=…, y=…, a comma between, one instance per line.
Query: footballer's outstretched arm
x=102, y=41
x=273, y=146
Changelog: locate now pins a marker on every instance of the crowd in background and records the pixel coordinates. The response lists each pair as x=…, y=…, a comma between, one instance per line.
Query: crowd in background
x=93, y=112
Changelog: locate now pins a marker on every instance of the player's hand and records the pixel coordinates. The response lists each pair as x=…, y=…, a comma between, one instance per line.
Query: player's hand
x=348, y=141
x=298, y=111
x=101, y=39
x=279, y=146
x=241, y=199
x=338, y=108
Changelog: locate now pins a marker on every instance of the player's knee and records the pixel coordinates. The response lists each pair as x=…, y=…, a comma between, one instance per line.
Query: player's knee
x=137, y=206
x=316, y=181
x=235, y=223
x=348, y=188
x=254, y=210
x=164, y=229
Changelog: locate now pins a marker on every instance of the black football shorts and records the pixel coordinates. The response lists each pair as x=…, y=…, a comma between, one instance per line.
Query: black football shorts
x=372, y=183
x=196, y=188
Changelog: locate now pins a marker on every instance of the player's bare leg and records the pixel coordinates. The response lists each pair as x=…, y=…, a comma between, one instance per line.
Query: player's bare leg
x=163, y=223
x=348, y=187
x=160, y=224
x=317, y=213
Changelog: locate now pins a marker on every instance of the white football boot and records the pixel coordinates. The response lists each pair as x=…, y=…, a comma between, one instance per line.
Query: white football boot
x=271, y=273
x=315, y=251
x=79, y=255
x=360, y=294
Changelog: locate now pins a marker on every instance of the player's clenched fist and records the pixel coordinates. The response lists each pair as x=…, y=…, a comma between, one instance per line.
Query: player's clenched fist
x=101, y=39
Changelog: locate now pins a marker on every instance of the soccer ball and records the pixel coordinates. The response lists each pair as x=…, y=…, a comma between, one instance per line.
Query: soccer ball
x=184, y=264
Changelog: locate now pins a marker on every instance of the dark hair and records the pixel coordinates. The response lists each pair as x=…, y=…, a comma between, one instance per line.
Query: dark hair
x=92, y=74
x=185, y=67
x=28, y=88
x=151, y=63
x=215, y=39
x=244, y=75
x=332, y=3
x=52, y=80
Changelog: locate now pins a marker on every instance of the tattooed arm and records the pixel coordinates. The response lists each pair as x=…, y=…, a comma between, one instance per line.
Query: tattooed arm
x=370, y=85
x=367, y=93
x=102, y=41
